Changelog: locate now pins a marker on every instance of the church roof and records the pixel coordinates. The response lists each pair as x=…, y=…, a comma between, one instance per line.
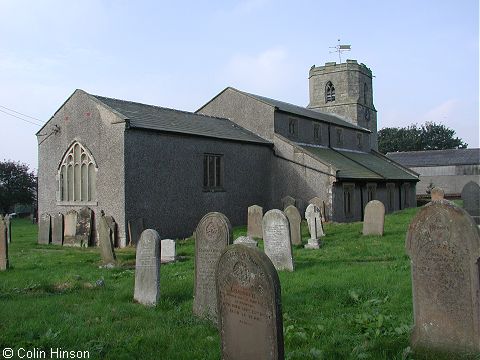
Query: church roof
x=448, y=157
x=150, y=117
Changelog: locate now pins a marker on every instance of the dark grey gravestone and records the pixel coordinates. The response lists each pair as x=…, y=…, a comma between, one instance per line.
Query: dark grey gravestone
x=147, y=268
x=105, y=241
x=3, y=245
x=57, y=229
x=84, y=227
x=44, y=227
x=113, y=227
x=254, y=224
x=70, y=228
x=287, y=200
x=213, y=235
x=374, y=218
x=471, y=200
x=8, y=224
x=294, y=219
x=276, y=239
x=443, y=243
x=249, y=305
x=135, y=229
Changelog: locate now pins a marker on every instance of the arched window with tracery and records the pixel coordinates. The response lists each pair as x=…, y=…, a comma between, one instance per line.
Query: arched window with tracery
x=77, y=175
x=329, y=92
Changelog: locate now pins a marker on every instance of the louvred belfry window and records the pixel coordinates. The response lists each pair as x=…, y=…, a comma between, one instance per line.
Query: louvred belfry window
x=329, y=92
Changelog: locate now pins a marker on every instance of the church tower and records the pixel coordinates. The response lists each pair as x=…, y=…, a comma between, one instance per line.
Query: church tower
x=346, y=90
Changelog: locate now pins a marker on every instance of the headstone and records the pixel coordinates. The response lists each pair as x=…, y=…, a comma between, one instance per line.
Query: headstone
x=8, y=224
x=374, y=218
x=3, y=245
x=169, y=253
x=70, y=228
x=213, y=235
x=249, y=305
x=443, y=243
x=147, y=268
x=135, y=229
x=301, y=205
x=318, y=203
x=287, y=200
x=437, y=194
x=246, y=240
x=294, y=220
x=255, y=217
x=44, y=229
x=276, y=239
x=57, y=229
x=105, y=241
x=113, y=227
x=84, y=227
x=314, y=222
x=471, y=200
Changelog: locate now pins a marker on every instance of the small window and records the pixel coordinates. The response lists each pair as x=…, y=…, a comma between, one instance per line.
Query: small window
x=348, y=190
x=339, y=137
x=406, y=196
x=359, y=140
x=292, y=126
x=316, y=131
x=213, y=172
x=391, y=196
x=371, y=192
x=365, y=93
x=329, y=92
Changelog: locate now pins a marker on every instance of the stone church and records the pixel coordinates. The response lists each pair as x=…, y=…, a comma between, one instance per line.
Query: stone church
x=170, y=167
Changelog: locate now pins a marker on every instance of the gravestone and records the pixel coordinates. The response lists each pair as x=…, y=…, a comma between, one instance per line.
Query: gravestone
x=8, y=224
x=84, y=227
x=135, y=229
x=315, y=228
x=105, y=241
x=57, y=229
x=44, y=228
x=294, y=220
x=318, y=203
x=249, y=305
x=70, y=228
x=437, y=194
x=246, y=240
x=443, y=243
x=213, y=235
x=147, y=268
x=374, y=218
x=255, y=217
x=276, y=239
x=3, y=245
x=471, y=200
x=113, y=228
x=287, y=200
x=169, y=253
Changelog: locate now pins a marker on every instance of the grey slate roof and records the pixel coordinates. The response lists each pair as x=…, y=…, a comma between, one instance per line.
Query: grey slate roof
x=149, y=117
x=437, y=157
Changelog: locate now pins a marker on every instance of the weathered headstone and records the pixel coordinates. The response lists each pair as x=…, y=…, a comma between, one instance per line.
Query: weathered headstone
x=249, y=305
x=276, y=239
x=70, y=228
x=147, y=268
x=44, y=228
x=213, y=235
x=320, y=204
x=471, y=200
x=287, y=200
x=294, y=220
x=246, y=240
x=105, y=241
x=84, y=227
x=437, y=194
x=57, y=229
x=443, y=243
x=374, y=218
x=3, y=245
x=169, y=253
x=314, y=222
x=8, y=224
x=113, y=227
x=254, y=225
x=135, y=228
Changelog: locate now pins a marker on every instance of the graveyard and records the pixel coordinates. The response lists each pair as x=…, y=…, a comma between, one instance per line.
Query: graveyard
x=351, y=298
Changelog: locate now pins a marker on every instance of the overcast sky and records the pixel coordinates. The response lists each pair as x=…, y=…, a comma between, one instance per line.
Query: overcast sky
x=179, y=54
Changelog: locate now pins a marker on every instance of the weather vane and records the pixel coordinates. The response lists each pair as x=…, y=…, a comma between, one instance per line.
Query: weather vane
x=339, y=48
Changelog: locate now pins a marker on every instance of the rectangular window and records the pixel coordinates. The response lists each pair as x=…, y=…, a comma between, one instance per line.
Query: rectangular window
x=348, y=192
x=406, y=195
x=213, y=172
x=359, y=140
x=371, y=192
x=339, y=137
x=391, y=197
x=316, y=132
x=292, y=126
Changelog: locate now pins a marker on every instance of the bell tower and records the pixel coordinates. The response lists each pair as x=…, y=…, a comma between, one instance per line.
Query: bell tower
x=346, y=90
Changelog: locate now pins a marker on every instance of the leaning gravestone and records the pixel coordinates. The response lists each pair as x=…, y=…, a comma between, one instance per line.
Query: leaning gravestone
x=255, y=217
x=135, y=228
x=105, y=242
x=70, y=228
x=8, y=224
x=287, y=200
x=443, y=243
x=249, y=305
x=44, y=229
x=374, y=219
x=213, y=235
x=3, y=245
x=113, y=228
x=314, y=222
x=147, y=268
x=294, y=220
x=471, y=200
x=437, y=194
x=57, y=229
x=276, y=239
x=168, y=250
x=84, y=227
x=246, y=240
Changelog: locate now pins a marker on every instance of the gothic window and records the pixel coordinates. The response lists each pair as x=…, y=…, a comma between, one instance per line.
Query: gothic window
x=329, y=92
x=365, y=93
x=348, y=190
x=77, y=175
x=292, y=126
x=316, y=131
x=212, y=172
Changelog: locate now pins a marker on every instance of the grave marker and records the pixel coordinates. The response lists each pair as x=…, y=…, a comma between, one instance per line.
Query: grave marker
x=57, y=229
x=84, y=227
x=105, y=241
x=169, y=253
x=255, y=217
x=135, y=228
x=287, y=200
x=276, y=239
x=246, y=240
x=147, y=268
x=44, y=229
x=3, y=245
x=374, y=219
x=8, y=224
x=471, y=200
x=70, y=228
x=437, y=194
x=294, y=220
x=314, y=222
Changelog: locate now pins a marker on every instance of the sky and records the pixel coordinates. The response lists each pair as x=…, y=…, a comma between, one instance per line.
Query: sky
x=424, y=56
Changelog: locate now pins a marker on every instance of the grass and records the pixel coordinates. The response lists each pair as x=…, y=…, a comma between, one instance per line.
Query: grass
x=349, y=300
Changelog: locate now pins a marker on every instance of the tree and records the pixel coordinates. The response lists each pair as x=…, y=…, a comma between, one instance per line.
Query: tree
x=17, y=185
x=429, y=136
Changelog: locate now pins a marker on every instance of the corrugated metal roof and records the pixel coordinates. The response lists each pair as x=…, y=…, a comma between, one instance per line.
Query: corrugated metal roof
x=151, y=117
x=437, y=157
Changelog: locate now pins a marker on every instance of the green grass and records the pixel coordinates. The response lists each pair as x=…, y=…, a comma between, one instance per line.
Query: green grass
x=351, y=299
